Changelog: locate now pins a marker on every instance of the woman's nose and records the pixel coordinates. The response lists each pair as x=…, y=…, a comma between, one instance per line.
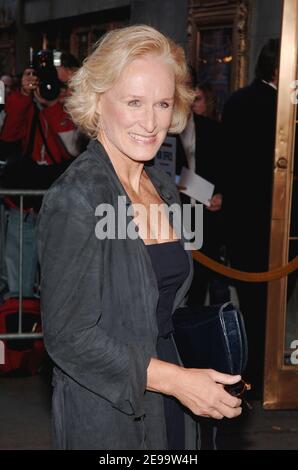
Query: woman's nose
x=148, y=121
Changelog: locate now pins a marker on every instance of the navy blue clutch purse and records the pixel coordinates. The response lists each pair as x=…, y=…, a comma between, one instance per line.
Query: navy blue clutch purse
x=211, y=337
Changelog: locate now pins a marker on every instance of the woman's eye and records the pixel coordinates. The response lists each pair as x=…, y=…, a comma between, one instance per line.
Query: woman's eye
x=134, y=103
x=164, y=104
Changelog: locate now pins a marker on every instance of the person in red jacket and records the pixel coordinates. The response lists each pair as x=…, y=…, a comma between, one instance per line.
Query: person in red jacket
x=46, y=134
x=58, y=129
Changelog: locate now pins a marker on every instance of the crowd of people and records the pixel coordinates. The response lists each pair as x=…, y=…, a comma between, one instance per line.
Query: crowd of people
x=107, y=304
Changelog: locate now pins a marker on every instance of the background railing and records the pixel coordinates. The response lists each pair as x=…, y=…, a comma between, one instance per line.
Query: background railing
x=21, y=193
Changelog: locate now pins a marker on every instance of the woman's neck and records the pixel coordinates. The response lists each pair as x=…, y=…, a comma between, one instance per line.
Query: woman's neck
x=128, y=171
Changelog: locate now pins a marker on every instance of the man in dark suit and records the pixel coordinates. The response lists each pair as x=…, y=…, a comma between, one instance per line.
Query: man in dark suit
x=199, y=149
x=248, y=120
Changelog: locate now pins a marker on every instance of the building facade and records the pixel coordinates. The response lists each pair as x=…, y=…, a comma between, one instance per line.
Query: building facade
x=233, y=29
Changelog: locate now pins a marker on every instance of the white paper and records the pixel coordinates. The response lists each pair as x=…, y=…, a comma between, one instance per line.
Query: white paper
x=196, y=187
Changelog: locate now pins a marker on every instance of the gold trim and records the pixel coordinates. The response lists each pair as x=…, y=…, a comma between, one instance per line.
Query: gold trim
x=281, y=381
x=242, y=33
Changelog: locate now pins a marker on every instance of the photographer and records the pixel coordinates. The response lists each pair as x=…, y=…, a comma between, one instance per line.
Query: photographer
x=37, y=125
x=53, y=122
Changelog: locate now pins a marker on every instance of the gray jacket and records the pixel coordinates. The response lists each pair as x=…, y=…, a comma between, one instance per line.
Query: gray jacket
x=99, y=300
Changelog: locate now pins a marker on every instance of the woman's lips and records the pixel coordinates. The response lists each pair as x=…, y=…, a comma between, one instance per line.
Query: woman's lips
x=141, y=139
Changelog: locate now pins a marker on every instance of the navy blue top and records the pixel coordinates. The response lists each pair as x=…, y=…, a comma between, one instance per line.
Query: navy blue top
x=171, y=267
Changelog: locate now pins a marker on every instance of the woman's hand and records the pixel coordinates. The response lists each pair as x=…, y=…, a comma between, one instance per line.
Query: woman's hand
x=200, y=390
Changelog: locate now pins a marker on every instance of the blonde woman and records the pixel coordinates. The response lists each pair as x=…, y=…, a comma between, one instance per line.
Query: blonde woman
x=107, y=298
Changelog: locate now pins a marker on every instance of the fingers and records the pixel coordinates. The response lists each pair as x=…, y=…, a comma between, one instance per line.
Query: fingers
x=225, y=379
x=225, y=406
x=230, y=400
x=215, y=202
x=202, y=391
x=221, y=410
x=229, y=412
x=214, y=206
x=29, y=81
x=216, y=415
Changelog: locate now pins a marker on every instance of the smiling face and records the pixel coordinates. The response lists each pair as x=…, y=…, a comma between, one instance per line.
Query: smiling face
x=136, y=112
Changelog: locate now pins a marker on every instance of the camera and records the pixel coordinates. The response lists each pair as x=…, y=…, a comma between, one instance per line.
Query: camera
x=44, y=63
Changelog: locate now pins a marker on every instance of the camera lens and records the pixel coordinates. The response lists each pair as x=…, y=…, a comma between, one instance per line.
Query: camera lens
x=49, y=83
x=49, y=88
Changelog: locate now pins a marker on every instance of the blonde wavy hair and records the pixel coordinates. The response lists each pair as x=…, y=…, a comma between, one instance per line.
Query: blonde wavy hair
x=102, y=68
